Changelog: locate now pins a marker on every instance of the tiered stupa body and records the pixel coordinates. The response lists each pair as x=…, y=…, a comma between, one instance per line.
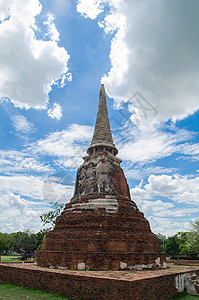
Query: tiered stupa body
x=101, y=228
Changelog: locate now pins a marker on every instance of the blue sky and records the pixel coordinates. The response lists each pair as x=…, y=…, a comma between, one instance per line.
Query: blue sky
x=53, y=57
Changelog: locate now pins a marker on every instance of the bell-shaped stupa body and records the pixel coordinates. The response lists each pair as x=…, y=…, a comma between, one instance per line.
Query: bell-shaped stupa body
x=101, y=227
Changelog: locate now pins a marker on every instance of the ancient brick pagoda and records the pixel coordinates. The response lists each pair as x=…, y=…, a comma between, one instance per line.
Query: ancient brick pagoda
x=101, y=227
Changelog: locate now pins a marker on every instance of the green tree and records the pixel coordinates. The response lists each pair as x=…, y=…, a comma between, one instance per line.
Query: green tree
x=51, y=216
x=23, y=240
x=41, y=235
x=172, y=246
x=4, y=242
x=182, y=240
x=27, y=240
x=191, y=243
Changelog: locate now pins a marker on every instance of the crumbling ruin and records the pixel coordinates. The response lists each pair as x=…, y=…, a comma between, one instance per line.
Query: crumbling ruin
x=101, y=227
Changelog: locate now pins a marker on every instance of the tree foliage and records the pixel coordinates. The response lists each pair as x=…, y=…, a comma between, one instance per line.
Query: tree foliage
x=4, y=242
x=191, y=243
x=51, y=216
x=186, y=243
x=18, y=241
x=172, y=246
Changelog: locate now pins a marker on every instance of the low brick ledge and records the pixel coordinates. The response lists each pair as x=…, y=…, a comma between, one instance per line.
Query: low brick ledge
x=117, y=285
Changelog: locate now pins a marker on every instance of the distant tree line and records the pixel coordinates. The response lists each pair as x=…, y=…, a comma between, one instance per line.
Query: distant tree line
x=182, y=243
x=28, y=240
x=18, y=241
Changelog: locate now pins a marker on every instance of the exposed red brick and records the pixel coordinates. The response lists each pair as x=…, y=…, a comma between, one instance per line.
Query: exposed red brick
x=101, y=227
x=122, y=285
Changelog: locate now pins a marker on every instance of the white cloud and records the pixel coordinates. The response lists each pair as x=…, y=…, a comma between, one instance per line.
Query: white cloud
x=25, y=198
x=180, y=204
x=21, y=124
x=154, y=51
x=14, y=161
x=141, y=171
x=169, y=226
x=180, y=189
x=55, y=112
x=24, y=185
x=52, y=31
x=68, y=143
x=19, y=215
x=150, y=143
x=37, y=188
x=53, y=191
x=28, y=66
x=71, y=162
x=190, y=150
x=90, y=8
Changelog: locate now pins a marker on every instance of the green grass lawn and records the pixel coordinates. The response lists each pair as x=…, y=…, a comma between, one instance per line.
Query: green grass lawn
x=12, y=258
x=183, y=296
x=9, y=258
x=9, y=291
x=12, y=292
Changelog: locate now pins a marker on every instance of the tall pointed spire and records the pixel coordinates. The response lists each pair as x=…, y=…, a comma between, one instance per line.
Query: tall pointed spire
x=101, y=227
x=102, y=133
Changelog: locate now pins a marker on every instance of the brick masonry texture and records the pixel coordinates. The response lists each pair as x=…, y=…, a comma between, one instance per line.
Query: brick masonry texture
x=101, y=228
x=117, y=285
x=97, y=237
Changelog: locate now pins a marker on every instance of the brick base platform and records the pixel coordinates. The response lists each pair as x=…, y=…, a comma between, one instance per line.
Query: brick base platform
x=101, y=240
x=117, y=285
x=100, y=260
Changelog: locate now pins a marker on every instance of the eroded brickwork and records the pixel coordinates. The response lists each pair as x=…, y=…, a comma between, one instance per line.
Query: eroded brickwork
x=87, y=285
x=101, y=228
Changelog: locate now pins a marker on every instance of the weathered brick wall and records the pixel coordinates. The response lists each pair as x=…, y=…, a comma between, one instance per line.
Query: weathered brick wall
x=102, y=240
x=95, y=261
x=90, y=287
x=101, y=227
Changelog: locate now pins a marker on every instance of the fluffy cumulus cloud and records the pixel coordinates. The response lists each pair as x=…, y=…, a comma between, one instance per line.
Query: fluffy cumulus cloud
x=90, y=8
x=180, y=189
x=178, y=204
x=35, y=187
x=55, y=112
x=29, y=66
x=15, y=207
x=25, y=198
x=169, y=226
x=154, y=51
x=58, y=188
x=24, y=185
x=28, y=185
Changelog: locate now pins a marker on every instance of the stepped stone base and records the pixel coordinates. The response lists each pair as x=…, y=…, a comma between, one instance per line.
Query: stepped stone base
x=103, y=234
